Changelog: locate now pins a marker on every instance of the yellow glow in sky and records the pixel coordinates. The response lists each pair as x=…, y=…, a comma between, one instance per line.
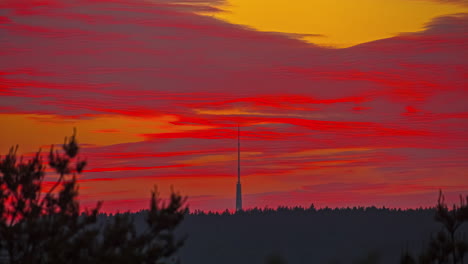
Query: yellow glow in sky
x=341, y=23
x=33, y=131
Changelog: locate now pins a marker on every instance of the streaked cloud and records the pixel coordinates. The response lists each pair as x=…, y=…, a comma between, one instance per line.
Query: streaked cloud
x=157, y=92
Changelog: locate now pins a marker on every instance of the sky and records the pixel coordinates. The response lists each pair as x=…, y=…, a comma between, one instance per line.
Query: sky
x=340, y=103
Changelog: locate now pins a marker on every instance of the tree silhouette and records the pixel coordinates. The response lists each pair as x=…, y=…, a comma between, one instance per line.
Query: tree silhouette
x=45, y=225
x=447, y=246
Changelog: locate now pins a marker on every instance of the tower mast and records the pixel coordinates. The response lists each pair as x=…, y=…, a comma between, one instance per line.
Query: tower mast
x=239, y=187
x=238, y=154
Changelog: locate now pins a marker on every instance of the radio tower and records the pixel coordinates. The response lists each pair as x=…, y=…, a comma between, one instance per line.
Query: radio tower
x=239, y=187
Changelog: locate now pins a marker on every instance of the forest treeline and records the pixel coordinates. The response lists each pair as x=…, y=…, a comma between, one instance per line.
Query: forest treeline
x=309, y=235
x=300, y=210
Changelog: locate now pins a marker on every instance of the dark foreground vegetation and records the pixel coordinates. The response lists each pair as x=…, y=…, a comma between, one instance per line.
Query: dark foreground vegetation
x=44, y=225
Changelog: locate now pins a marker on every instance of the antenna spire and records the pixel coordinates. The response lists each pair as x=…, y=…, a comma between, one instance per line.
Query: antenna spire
x=239, y=187
x=238, y=153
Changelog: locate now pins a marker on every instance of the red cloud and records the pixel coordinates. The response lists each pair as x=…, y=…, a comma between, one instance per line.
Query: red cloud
x=135, y=168
x=403, y=97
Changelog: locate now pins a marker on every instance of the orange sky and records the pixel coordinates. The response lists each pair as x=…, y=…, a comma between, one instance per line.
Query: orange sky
x=338, y=23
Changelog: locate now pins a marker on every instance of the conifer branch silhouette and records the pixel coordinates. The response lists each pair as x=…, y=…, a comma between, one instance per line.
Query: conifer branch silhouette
x=40, y=225
x=446, y=246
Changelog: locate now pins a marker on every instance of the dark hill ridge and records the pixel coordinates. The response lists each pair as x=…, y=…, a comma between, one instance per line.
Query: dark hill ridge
x=305, y=235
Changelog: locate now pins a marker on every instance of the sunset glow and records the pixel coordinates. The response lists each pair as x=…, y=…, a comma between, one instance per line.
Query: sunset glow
x=339, y=23
x=339, y=103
